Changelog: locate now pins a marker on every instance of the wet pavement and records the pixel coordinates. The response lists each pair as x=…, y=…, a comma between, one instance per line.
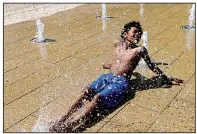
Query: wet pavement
x=42, y=81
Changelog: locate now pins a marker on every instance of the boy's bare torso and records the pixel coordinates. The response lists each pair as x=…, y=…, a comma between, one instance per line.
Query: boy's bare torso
x=126, y=59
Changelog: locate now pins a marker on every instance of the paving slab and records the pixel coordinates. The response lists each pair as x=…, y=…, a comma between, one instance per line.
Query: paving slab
x=178, y=117
x=23, y=126
x=28, y=84
x=130, y=120
x=18, y=110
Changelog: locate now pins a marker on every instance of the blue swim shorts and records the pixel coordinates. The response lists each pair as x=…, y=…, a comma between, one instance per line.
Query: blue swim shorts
x=112, y=89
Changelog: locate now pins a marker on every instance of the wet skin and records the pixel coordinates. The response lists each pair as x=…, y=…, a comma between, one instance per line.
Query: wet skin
x=126, y=57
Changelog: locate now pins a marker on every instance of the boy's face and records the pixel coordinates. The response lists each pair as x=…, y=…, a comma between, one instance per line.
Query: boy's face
x=133, y=35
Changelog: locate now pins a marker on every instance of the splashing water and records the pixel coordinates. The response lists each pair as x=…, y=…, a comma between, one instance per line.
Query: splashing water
x=104, y=11
x=192, y=15
x=145, y=39
x=190, y=33
x=43, y=122
x=104, y=24
x=191, y=19
x=104, y=17
x=40, y=38
x=41, y=126
x=141, y=9
x=141, y=16
x=45, y=116
x=40, y=30
x=188, y=40
x=190, y=37
x=145, y=44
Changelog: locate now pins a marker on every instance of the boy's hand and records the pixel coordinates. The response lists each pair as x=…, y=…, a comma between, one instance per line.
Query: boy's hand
x=106, y=66
x=176, y=81
x=170, y=80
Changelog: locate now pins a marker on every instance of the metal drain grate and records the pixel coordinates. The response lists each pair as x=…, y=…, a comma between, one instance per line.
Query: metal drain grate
x=187, y=27
x=47, y=40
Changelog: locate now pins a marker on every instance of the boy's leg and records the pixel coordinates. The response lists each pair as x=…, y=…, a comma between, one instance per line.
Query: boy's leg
x=81, y=114
x=87, y=94
x=74, y=119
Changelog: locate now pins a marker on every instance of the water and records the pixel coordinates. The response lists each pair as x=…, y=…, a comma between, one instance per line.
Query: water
x=191, y=19
x=104, y=11
x=145, y=44
x=188, y=40
x=104, y=26
x=40, y=30
x=190, y=36
x=192, y=15
x=45, y=114
x=43, y=123
x=141, y=12
x=40, y=38
x=145, y=39
x=190, y=28
x=104, y=17
x=141, y=9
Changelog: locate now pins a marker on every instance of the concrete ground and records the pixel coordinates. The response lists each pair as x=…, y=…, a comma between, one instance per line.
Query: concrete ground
x=14, y=13
x=42, y=81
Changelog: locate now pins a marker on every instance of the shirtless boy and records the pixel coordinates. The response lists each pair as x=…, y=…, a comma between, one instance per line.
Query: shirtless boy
x=109, y=89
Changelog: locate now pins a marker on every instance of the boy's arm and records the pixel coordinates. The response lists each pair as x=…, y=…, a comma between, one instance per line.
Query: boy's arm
x=151, y=64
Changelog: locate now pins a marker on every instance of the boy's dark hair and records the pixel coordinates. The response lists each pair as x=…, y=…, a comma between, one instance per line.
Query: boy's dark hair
x=128, y=26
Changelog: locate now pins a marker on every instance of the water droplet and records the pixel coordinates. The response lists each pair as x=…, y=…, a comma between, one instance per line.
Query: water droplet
x=154, y=108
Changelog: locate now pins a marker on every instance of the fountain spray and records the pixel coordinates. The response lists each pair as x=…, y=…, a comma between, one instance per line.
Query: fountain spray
x=192, y=15
x=145, y=39
x=145, y=44
x=40, y=30
x=104, y=16
x=40, y=38
x=104, y=11
x=141, y=9
x=191, y=19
